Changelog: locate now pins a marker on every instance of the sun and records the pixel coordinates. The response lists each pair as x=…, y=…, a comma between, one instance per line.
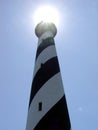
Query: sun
x=47, y=14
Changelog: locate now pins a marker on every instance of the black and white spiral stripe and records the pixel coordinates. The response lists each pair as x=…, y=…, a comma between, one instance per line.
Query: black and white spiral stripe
x=47, y=88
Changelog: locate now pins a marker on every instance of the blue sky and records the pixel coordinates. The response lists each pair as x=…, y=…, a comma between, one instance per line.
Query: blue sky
x=77, y=48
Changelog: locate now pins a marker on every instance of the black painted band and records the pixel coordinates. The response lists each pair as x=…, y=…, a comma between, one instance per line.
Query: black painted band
x=45, y=43
x=47, y=70
x=57, y=118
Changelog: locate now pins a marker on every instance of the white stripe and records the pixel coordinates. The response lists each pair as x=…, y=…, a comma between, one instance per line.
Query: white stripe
x=46, y=54
x=49, y=94
x=44, y=36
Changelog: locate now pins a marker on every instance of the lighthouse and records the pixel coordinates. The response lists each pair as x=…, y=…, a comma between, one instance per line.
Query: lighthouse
x=47, y=105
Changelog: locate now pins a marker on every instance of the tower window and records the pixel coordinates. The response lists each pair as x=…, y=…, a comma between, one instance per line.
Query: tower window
x=40, y=106
x=42, y=65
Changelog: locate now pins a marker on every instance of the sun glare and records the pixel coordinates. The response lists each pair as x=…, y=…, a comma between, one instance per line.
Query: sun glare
x=46, y=14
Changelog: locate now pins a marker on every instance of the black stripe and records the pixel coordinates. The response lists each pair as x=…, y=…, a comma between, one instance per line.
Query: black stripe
x=47, y=70
x=45, y=43
x=57, y=118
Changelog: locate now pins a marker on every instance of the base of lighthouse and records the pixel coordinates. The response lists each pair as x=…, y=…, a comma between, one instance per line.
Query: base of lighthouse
x=47, y=106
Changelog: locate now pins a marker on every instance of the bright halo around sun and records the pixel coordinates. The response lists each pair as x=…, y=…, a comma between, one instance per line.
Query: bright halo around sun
x=46, y=14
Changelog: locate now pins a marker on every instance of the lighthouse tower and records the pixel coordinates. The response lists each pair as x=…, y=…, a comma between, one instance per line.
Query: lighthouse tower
x=47, y=106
